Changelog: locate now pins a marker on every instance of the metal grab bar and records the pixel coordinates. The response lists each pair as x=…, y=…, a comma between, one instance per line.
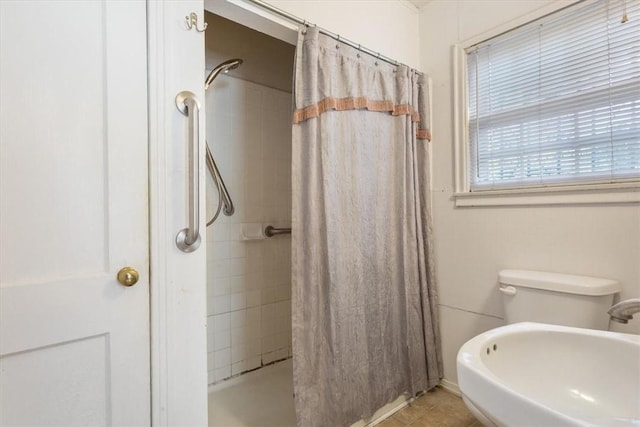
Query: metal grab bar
x=228, y=208
x=271, y=231
x=188, y=239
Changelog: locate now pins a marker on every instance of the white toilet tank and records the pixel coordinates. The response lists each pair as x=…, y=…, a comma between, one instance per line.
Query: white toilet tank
x=560, y=299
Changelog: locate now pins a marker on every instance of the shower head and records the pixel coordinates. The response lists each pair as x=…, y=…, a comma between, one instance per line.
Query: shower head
x=230, y=64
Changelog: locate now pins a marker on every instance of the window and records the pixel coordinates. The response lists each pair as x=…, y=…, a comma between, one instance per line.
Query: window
x=556, y=101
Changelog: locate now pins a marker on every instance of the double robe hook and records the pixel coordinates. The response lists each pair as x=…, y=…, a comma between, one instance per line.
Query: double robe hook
x=191, y=22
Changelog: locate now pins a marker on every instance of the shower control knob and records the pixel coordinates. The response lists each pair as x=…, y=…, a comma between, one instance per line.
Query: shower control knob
x=128, y=276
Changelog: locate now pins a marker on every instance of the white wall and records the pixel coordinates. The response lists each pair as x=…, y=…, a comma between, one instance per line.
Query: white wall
x=387, y=26
x=473, y=244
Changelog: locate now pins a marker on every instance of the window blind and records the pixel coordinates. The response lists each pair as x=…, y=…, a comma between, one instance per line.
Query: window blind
x=557, y=101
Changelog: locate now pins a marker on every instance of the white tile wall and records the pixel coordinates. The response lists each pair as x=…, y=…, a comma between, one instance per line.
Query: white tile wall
x=249, y=282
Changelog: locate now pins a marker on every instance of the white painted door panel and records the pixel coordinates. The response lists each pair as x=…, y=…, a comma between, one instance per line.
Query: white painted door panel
x=74, y=343
x=178, y=299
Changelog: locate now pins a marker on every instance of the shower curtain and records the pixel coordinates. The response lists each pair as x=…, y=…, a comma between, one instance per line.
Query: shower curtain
x=365, y=326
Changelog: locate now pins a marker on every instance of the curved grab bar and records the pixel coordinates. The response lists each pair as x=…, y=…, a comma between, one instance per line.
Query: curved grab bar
x=188, y=239
x=228, y=209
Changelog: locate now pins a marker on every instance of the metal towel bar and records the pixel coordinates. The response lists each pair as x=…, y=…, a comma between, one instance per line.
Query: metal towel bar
x=271, y=231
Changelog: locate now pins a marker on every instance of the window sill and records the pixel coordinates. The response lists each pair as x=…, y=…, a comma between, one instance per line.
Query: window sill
x=550, y=196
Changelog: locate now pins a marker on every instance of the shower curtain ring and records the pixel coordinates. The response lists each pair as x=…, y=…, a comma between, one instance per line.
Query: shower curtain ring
x=338, y=44
x=359, y=50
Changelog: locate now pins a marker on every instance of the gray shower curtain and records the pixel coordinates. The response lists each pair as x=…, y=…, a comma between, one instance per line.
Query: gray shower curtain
x=365, y=325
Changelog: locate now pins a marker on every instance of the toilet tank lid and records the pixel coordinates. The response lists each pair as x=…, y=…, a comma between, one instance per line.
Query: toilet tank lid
x=567, y=283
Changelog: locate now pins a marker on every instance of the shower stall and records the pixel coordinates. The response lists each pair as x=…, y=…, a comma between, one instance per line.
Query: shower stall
x=248, y=104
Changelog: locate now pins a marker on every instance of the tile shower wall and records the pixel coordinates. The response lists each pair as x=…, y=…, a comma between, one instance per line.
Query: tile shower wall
x=248, y=281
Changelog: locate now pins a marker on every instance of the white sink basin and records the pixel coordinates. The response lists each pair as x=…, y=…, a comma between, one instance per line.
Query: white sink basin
x=534, y=374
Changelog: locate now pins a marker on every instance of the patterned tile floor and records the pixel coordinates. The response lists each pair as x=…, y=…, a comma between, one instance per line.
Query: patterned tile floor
x=436, y=408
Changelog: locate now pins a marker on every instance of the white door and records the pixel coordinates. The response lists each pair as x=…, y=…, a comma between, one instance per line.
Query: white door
x=74, y=342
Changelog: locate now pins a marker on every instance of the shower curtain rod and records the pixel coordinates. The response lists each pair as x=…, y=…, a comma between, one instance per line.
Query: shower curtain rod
x=334, y=36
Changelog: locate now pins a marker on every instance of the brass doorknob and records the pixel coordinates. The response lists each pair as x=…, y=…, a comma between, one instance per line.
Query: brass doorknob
x=128, y=276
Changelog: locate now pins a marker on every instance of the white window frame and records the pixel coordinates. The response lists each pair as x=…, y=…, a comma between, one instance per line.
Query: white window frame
x=579, y=193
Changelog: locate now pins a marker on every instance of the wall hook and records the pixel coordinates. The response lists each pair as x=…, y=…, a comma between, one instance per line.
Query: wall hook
x=191, y=21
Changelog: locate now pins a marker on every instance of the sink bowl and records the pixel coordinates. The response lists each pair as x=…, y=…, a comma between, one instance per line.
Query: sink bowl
x=534, y=374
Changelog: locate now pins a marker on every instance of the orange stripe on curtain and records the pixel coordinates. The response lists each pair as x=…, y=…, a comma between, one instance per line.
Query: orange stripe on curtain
x=361, y=103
